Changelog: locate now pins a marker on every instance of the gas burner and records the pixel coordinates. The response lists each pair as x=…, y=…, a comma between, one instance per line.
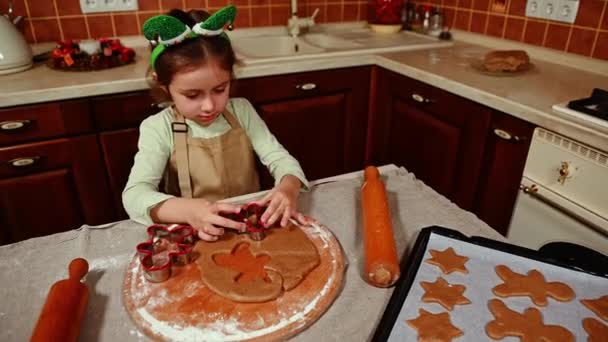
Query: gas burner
x=596, y=105
x=593, y=109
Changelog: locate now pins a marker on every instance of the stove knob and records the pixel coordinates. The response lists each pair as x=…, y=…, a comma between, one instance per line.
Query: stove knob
x=566, y=171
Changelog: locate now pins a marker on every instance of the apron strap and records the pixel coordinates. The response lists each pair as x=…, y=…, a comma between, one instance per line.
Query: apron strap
x=180, y=137
x=231, y=118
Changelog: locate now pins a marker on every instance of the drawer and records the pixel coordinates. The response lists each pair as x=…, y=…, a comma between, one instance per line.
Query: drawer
x=122, y=111
x=52, y=185
x=29, y=123
x=272, y=88
x=37, y=157
x=434, y=100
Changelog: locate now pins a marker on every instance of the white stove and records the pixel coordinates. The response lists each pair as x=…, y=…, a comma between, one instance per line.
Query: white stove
x=562, y=110
x=563, y=194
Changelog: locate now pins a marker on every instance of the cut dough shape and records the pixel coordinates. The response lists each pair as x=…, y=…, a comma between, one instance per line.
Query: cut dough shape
x=289, y=257
x=598, y=332
x=250, y=267
x=434, y=327
x=443, y=293
x=529, y=326
x=532, y=285
x=599, y=306
x=448, y=261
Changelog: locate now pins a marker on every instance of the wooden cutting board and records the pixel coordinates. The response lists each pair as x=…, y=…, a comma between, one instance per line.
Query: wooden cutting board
x=183, y=308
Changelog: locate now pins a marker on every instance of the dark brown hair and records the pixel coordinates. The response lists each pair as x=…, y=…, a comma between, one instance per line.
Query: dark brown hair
x=189, y=54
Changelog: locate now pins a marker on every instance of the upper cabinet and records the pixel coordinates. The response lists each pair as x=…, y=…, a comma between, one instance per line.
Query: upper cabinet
x=319, y=117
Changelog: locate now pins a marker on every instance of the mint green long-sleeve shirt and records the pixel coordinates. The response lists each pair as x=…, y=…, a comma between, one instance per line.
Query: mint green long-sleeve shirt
x=156, y=144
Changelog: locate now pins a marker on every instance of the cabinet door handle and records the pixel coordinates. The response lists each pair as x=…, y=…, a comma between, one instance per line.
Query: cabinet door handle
x=14, y=125
x=24, y=161
x=306, y=86
x=506, y=135
x=421, y=99
x=161, y=105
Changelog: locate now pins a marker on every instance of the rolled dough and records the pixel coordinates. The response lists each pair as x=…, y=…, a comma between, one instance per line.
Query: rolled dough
x=231, y=267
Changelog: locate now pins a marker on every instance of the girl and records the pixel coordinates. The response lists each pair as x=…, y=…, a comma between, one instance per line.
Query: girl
x=202, y=146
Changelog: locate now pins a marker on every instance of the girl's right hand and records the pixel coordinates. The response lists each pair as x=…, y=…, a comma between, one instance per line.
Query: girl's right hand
x=204, y=216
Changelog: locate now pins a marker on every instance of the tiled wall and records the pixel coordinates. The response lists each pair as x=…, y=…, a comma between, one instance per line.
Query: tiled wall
x=49, y=20
x=588, y=35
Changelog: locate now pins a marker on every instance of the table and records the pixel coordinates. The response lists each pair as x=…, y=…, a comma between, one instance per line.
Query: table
x=28, y=268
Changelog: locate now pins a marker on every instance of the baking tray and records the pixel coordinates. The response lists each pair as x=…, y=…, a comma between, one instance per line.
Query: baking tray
x=590, y=267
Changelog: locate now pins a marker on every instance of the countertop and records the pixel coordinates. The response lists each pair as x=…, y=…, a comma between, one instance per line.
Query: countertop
x=30, y=267
x=556, y=78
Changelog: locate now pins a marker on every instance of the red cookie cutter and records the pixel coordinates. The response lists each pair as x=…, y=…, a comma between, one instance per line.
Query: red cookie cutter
x=251, y=214
x=165, y=248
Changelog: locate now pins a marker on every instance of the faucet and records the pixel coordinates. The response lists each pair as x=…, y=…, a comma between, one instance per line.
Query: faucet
x=294, y=24
x=9, y=14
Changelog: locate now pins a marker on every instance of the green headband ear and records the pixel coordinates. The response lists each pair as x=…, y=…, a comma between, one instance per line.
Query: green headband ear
x=165, y=30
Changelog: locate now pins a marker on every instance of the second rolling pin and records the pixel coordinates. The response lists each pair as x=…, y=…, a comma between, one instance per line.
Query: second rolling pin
x=65, y=307
x=381, y=260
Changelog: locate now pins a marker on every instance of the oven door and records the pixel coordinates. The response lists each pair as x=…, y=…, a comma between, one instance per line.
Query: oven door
x=542, y=216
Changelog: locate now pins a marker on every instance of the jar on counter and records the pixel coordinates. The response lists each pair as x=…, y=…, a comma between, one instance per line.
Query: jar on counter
x=386, y=12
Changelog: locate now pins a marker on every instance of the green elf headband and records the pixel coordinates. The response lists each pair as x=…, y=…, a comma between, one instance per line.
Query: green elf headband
x=165, y=30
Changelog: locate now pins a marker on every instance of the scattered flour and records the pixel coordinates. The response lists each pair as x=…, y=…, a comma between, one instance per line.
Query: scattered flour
x=114, y=262
x=135, y=332
x=229, y=329
x=159, y=299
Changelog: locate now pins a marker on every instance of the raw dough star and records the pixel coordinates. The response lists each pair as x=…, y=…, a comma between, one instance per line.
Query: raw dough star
x=434, y=327
x=448, y=261
x=443, y=293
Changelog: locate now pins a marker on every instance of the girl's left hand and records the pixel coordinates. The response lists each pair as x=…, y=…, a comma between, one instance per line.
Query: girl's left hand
x=281, y=201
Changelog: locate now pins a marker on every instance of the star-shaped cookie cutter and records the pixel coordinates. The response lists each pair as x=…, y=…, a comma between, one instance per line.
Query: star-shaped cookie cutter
x=165, y=247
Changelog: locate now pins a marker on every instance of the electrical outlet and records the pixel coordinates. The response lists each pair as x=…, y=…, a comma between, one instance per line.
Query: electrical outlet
x=534, y=8
x=559, y=10
x=95, y=6
x=566, y=11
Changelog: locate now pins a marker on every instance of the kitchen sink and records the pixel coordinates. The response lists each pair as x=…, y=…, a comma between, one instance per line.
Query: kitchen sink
x=256, y=47
x=330, y=42
x=273, y=46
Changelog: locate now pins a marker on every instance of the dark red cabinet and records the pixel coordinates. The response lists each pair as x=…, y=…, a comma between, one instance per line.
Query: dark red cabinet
x=52, y=186
x=66, y=163
x=506, y=151
x=319, y=117
x=438, y=136
x=117, y=118
x=450, y=143
x=118, y=148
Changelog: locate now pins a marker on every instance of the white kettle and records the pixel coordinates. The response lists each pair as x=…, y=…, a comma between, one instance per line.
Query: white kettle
x=15, y=52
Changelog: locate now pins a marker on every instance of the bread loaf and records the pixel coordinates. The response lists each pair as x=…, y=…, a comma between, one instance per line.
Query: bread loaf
x=506, y=60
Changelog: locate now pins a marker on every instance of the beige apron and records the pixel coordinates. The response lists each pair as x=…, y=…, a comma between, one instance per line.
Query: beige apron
x=211, y=168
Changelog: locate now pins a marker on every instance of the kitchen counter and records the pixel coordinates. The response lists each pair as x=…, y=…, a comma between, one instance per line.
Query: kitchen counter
x=528, y=96
x=30, y=267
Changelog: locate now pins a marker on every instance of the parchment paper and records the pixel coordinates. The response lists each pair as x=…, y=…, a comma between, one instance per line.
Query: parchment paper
x=472, y=318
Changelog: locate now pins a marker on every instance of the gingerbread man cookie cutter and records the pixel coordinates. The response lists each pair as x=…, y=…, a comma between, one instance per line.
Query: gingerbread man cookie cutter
x=251, y=214
x=165, y=248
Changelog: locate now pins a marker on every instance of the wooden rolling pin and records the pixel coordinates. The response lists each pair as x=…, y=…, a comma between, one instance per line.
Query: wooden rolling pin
x=381, y=261
x=65, y=307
